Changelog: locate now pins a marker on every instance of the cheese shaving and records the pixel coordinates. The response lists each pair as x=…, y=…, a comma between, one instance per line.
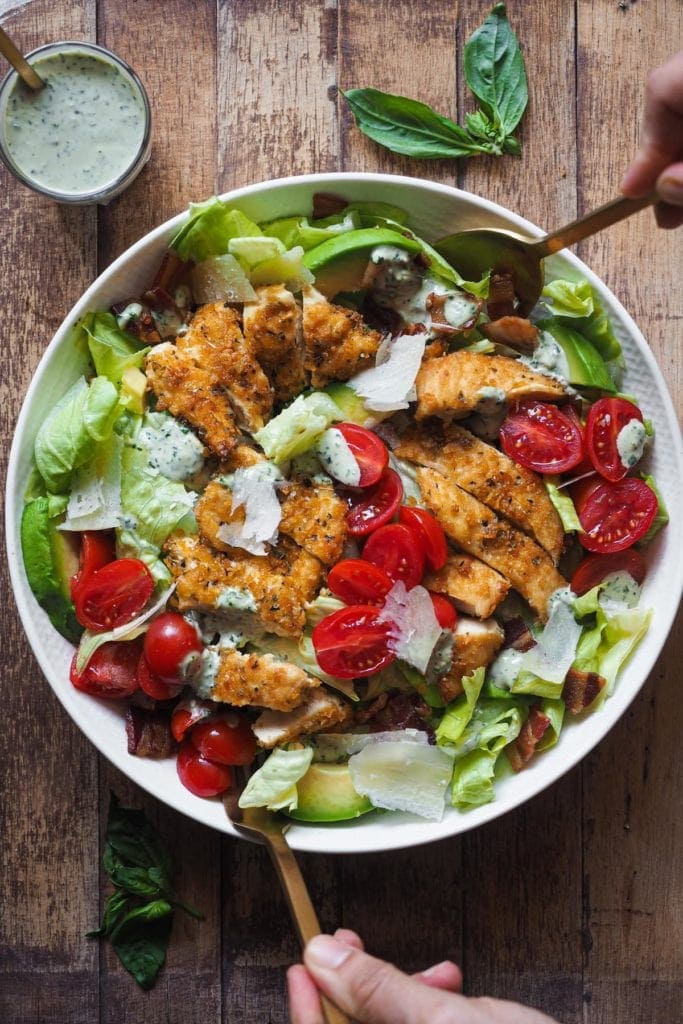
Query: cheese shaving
x=390, y=384
x=254, y=488
x=552, y=656
x=414, y=628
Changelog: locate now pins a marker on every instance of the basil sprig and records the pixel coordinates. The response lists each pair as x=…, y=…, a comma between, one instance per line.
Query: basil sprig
x=494, y=71
x=138, y=915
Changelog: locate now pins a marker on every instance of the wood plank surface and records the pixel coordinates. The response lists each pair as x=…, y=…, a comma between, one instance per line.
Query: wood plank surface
x=571, y=903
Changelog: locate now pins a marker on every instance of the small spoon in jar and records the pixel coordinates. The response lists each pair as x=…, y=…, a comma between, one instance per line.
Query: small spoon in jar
x=474, y=253
x=19, y=62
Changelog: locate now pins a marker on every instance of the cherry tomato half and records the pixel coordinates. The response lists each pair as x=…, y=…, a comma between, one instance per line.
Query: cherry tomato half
x=595, y=568
x=615, y=515
x=111, y=672
x=430, y=532
x=606, y=418
x=201, y=776
x=352, y=642
x=368, y=449
x=542, y=438
x=172, y=647
x=114, y=594
x=227, y=739
x=97, y=550
x=376, y=505
x=445, y=612
x=356, y=581
x=151, y=684
x=398, y=551
x=189, y=713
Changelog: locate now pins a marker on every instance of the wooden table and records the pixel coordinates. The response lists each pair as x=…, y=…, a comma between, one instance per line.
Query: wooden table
x=571, y=903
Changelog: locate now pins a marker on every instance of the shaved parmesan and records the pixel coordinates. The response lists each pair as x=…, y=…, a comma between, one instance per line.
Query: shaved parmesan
x=553, y=654
x=95, y=499
x=254, y=488
x=390, y=384
x=414, y=628
x=410, y=777
x=337, y=747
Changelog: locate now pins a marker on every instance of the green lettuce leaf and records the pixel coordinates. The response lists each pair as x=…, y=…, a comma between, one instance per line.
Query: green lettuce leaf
x=112, y=350
x=298, y=427
x=71, y=433
x=564, y=506
x=576, y=303
x=300, y=231
x=472, y=783
x=554, y=710
x=153, y=506
x=208, y=230
x=612, y=631
x=458, y=714
x=130, y=545
x=273, y=785
x=662, y=516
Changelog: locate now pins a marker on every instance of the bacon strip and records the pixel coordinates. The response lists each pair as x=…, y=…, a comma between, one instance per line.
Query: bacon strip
x=149, y=733
x=581, y=689
x=521, y=750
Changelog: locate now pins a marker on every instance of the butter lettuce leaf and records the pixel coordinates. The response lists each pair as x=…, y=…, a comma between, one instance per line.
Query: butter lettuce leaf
x=112, y=350
x=576, y=304
x=209, y=228
x=564, y=506
x=298, y=427
x=473, y=777
x=661, y=518
x=459, y=712
x=273, y=785
x=71, y=433
x=152, y=506
x=300, y=231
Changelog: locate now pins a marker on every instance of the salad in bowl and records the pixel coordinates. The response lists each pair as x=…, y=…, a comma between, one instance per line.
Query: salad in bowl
x=319, y=506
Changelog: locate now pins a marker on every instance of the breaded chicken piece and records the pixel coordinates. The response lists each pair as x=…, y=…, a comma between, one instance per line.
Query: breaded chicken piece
x=451, y=387
x=280, y=583
x=242, y=456
x=513, y=331
x=260, y=680
x=321, y=710
x=273, y=330
x=474, y=587
x=480, y=469
x=474, y=644
x=338, y=341
x=189, y=392
x=312, y=515
x=475, y=528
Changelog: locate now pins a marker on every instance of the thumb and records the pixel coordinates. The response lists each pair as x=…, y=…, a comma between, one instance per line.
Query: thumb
x=370, y=990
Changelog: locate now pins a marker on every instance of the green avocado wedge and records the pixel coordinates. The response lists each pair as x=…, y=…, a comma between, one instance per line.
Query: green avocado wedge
x=50, y=559
x=587, y=368
x=326, y=794
x=339, y=263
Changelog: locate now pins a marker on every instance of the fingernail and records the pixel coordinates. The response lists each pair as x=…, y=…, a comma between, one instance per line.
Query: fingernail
x=324, y=951
x=436, y=968
x=670, y=190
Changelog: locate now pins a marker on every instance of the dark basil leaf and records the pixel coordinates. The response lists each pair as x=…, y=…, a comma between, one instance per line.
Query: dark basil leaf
x=494, y=70
x=137, y=882
x=511, y=145
x=115, y=909
x=409, y=127
x=141, y=940
x=134, y=839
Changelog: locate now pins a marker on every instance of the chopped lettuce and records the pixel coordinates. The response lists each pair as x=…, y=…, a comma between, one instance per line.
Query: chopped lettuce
x=112, y=350
x=273, y=785
x=473, y=775
x=130, y=545
x=153, y=506
x=70, y=434
x=298, y=427
x=564, y=506
x=493, y=725
x=554, y=711
x=459, y=712
x=323, y=605
x=576, y=304
x=209, y=228
x=661, y=518
x=614, y=628
x=300, y=231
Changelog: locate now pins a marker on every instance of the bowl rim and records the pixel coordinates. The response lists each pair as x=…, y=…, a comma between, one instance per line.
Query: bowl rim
x=320, y=838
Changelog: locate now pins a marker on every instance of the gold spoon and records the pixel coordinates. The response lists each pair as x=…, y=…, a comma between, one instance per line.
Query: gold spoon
x=475, y=252
x=19, y=62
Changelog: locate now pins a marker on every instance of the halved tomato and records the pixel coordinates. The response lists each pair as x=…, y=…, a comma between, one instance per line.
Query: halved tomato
x=352, y=642
x=114, y=594
x=368, y=449
x=376, y=505
x=615, y=515
x=606, y=419
x=111, y=672
x=153, y=685
x=97, y=550
x=541, y=437
x=356, y=581
x=397, y=550
x=445, y=612
x=595, y=568
x=429, y=531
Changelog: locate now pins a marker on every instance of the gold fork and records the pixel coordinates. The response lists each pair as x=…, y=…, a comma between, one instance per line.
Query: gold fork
x=269, y=828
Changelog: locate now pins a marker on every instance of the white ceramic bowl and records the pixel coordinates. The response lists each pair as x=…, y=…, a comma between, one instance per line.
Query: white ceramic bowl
x=435, y=211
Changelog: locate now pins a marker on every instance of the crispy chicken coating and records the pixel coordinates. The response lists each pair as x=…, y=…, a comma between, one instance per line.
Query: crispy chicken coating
x=474, y=587
x=492, y=477
x=274, y=332
x=474, y=644
x=280, y=583
x=475, y=528
x=320, y=710
x=513, y=331
x=451, y=387
x=260, y=680
x=338, y=341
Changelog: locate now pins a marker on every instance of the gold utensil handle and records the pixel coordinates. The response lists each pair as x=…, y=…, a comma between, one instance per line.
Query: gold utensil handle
x=19, y=62
x=591, y=223
x=300, y=906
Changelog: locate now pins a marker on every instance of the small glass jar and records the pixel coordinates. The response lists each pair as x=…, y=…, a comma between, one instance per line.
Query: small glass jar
x=86, y=139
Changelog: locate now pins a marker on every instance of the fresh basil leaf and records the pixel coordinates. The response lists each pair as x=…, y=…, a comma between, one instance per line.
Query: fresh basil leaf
x=115, y=909
x=132, y=837
x=409, y=127
x=480, y=126
x=494, y=70
x=141, y=940
x=137, y=882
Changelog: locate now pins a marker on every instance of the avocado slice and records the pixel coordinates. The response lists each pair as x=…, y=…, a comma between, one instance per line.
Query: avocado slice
x=50, y=560
x=326, y=793
x=339, y=263
x=587, y=368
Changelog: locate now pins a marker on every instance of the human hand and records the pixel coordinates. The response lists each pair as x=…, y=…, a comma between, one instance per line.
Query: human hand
x=659, y=161
x=374, y=992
